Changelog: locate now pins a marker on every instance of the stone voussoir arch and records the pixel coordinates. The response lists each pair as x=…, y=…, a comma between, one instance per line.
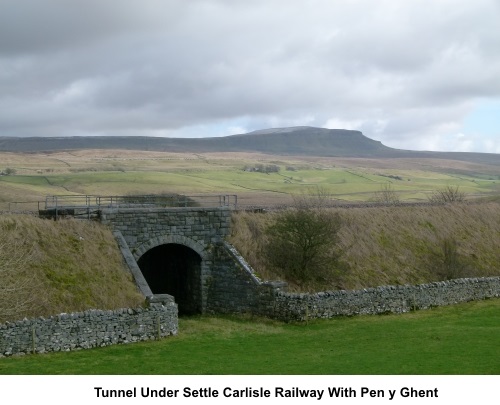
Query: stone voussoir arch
x=199, y=248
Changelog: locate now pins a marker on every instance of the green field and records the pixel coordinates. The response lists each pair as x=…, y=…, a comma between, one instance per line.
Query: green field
x=134, y=172
x=461, y=339
x=340, y=182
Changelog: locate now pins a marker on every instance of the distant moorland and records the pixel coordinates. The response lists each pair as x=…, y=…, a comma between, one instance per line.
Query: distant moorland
x=263, y=168
x=293, y=141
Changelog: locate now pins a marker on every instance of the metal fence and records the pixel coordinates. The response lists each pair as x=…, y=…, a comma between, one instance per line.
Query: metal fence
x=173, y=200
x=21, y=206
x=88, y=205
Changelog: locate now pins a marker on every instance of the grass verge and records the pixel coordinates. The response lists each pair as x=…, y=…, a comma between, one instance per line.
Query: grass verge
x=462, y=339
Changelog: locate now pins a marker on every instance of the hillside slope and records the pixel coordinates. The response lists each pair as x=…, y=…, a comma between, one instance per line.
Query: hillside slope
x=299, y=141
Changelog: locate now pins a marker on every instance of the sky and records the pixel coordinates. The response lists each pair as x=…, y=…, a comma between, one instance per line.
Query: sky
x=413, y=74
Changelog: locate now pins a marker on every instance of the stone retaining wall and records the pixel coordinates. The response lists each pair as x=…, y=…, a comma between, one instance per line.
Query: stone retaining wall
x=233, y=287
x=92, y=328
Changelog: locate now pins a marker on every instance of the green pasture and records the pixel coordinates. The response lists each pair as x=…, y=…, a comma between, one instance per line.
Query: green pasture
x=343, y=183
x=460, y=339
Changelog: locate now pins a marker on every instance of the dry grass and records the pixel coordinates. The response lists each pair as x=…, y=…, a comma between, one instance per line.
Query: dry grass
x=59, y=267
x=18, y=287
x=393, y=245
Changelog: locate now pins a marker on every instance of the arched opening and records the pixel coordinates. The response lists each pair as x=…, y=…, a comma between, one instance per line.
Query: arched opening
x=176, y=270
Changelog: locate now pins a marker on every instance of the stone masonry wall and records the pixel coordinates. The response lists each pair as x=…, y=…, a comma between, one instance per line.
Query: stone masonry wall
x=233, y=286
x=84, y=330
x=386, y=299
x=197, y=228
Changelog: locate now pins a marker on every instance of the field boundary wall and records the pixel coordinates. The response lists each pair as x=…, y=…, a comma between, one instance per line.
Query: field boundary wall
x=270, y=299
x=384, y=299
x=89, y=329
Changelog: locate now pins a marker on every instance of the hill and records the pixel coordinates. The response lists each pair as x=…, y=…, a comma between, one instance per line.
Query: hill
x=298, y=141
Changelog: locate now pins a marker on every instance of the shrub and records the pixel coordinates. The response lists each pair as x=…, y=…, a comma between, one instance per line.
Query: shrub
x=386, y=195
x=9, y=171
x=449, y=263
x=313, y=198
x=302, y=244
x=449, y=194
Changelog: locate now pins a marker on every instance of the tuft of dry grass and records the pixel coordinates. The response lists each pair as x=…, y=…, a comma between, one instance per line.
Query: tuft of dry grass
x=61, y=266
x=393, y=245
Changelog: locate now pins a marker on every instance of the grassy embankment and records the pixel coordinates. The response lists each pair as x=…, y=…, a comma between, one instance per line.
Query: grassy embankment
x=460, y=339
x=393, y=245
x=50, y=267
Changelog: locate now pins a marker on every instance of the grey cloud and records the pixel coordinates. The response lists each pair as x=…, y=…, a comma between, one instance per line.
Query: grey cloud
x=34, y=26
x=124, y=67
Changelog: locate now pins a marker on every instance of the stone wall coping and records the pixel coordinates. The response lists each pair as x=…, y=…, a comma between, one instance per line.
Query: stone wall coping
x=242, y=262
x=445, y=283
x=116, y=210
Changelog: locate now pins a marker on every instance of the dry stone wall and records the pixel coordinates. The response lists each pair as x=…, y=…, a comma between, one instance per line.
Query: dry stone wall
x=386, y=299
x=89, y=329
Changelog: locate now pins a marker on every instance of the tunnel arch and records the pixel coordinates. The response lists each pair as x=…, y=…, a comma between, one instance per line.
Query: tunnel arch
x=175, y=265
x=165, y=240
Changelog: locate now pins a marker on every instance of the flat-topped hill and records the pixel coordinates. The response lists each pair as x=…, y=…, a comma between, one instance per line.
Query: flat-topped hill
x=305, y=141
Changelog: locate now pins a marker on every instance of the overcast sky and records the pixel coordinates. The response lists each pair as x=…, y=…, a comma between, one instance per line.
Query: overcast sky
x=414, y=74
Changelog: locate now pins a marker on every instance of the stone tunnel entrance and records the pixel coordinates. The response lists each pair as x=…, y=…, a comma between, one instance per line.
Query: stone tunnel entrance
x=176, y=270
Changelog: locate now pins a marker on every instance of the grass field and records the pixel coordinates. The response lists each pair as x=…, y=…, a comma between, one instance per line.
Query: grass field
x=116, y=172
x=462, y=339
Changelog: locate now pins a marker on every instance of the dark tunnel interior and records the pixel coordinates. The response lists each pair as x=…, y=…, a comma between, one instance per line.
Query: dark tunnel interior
x=176, y=270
